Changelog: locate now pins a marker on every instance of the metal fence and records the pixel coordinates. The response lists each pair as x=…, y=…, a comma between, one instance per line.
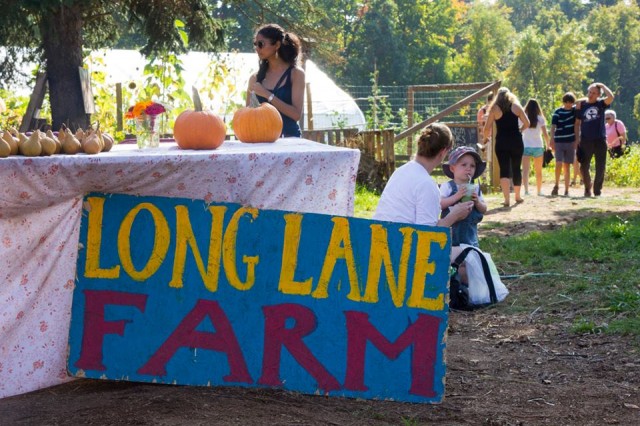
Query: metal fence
x=426, y=104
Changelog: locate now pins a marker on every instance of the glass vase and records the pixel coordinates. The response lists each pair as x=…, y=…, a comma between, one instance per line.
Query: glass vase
x=147, y=133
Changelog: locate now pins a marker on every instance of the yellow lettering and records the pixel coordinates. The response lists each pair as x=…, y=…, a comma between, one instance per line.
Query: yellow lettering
x=424, y=267
x=229, y=252
x=160, y=242
x=185, y=236
x=287, y=284
x=92, y=267
x=339, y=248
x=379, y=256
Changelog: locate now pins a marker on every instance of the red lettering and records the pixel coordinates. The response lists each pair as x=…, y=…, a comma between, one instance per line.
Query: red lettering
x=95, y=327
x=422, y=334
x=186, y=335
x=276, y=335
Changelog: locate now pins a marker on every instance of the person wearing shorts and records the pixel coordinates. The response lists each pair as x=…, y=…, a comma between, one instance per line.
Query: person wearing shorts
x=535, y=138
x=563, y=140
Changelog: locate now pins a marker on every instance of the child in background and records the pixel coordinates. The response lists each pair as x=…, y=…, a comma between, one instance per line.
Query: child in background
x=463, y=167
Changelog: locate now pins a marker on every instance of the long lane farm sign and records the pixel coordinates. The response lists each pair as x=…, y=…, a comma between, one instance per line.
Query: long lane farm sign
x=180, y=291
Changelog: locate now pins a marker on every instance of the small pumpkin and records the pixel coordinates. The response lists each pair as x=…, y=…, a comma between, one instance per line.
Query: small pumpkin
x=198, y=129
x=257, y=122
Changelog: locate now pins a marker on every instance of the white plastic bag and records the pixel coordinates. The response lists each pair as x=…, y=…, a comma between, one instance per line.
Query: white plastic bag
x=478, y=287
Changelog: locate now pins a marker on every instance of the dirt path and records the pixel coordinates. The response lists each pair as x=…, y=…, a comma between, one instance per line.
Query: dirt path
x=515, y=369
x=546, y=213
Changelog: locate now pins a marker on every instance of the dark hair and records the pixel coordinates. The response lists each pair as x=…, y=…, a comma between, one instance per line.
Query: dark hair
x=289, y=50
x=490, y=97
x=533, y=110
x=569, y=97
x=433, y=139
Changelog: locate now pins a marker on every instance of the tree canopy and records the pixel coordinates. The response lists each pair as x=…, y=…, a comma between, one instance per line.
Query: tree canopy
x=54, y=34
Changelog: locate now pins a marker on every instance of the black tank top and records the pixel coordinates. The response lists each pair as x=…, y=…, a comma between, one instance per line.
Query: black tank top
x=283, y=90
x=508, y=129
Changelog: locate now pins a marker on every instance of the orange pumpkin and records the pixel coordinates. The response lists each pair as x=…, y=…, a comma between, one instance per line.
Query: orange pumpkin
x=199, y=130
x=257, y=124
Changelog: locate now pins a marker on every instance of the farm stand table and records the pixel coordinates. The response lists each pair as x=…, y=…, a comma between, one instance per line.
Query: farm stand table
x=40, y=210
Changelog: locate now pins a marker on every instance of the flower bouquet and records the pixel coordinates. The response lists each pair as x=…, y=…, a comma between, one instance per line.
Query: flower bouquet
x=145, y=114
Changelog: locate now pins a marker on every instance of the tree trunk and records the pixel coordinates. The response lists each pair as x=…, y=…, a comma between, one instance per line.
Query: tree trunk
x=62, y=40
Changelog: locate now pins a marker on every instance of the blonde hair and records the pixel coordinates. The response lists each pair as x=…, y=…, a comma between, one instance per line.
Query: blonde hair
x=504, y=99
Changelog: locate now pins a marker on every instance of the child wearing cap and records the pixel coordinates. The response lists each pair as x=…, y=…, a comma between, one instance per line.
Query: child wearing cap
x=463, y=167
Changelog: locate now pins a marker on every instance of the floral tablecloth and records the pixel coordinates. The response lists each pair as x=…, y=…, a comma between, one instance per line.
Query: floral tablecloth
x=40, y=210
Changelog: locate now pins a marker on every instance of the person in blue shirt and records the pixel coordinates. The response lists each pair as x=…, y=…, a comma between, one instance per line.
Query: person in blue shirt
x=279, y=80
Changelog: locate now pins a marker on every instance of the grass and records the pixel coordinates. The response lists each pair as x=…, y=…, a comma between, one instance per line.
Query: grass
x=366, y=202
x=585, y=272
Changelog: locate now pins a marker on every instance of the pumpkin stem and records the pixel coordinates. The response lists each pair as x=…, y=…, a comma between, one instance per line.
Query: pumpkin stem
x=197, y=103
x=253, y=101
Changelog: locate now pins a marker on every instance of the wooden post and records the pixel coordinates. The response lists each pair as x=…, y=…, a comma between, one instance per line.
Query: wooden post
x=309, y=107
x=35, y=103
x=410, y=108
x=119, y=122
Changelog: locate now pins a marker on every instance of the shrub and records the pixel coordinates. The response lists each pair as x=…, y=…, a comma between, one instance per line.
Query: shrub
x=625, y=171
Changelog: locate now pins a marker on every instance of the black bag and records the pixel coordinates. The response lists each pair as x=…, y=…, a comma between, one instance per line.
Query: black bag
x=618, y=151
x=459, y=291
x=547, y=157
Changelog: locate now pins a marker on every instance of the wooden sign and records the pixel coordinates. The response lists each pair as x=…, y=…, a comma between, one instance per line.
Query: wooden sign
x=180, y=291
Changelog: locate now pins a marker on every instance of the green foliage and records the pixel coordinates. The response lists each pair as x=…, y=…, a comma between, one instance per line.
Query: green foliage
x=366, y=202
x=14, y=109
x=221, y=86
x=547, y=65
x=488, y=36
x=625, y=171
x=616, y=38
x=380, y=114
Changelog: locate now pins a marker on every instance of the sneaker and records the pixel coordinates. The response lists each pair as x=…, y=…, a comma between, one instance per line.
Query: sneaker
x=554, y=192
x=566, y=192
x=587, y=194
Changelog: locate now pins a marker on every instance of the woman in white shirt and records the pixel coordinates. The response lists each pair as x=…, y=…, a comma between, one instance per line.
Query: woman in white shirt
x=535, y=139
x=411, y=195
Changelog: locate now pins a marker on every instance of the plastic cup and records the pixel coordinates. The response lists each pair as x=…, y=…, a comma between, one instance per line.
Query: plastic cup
x=471, y=188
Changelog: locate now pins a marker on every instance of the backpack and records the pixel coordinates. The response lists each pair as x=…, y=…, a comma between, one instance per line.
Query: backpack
x=459, y=291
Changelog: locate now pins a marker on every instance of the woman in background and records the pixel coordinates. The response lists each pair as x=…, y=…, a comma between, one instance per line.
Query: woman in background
x=279, y=80
x=505, y=112
x=616, y=134
x=535, y=139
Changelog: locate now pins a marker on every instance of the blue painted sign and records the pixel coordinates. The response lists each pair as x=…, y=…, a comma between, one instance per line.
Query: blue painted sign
x=180, y=291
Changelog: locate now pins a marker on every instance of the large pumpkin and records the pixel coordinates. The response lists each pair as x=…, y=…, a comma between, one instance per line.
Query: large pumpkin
x=262, y=123
x=199, y=130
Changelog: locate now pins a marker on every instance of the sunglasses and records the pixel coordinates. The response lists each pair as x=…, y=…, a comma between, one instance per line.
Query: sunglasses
x=259, y=44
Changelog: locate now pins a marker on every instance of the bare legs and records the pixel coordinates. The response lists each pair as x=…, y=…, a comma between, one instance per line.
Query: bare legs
x=505, y=185
x=537, y=166
x=526, y=162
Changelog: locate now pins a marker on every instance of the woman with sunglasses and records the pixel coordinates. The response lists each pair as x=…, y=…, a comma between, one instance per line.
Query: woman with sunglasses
x=279, y=80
